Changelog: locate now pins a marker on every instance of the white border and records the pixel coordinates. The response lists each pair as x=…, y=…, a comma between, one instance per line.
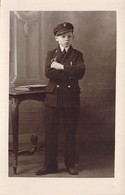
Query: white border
x=59, y=186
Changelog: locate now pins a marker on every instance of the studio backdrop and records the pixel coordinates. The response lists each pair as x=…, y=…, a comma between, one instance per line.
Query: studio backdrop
x=31, y=37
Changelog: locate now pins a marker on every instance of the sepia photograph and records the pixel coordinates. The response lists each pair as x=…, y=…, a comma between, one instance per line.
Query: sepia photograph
x=62, y=97
x=62, y=87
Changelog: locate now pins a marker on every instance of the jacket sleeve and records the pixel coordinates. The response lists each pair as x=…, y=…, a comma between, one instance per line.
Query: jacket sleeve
x=51, y=73
x=77, y=71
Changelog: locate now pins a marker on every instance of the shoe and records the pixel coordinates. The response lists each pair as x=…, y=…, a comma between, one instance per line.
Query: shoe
x=72, y=171
x=45, y=171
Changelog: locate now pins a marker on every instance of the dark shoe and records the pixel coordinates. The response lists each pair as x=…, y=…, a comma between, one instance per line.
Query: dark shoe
x=45, y=171
x=72, y=171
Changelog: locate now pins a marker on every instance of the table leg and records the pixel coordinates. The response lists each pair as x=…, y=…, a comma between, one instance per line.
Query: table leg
x=15, y=126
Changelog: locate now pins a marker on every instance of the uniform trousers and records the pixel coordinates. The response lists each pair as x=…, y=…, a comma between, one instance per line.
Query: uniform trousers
x=69, y=118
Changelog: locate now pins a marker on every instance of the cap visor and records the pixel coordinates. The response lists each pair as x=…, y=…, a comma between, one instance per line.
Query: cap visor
x=63, y=31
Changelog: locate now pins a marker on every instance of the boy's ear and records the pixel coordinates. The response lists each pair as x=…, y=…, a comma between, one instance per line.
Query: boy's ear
x=56, y=38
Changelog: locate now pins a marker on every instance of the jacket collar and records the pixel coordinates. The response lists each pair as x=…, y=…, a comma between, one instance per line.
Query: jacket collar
x=58, y=54
x=62, y=48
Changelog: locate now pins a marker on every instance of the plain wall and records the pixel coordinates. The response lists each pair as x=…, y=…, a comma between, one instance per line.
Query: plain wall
x=95, y=36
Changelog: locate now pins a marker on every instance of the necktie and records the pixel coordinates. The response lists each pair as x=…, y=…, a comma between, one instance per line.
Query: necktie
x=64, y=52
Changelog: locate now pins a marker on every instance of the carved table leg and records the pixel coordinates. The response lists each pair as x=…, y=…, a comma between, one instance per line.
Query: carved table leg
x=15, y=126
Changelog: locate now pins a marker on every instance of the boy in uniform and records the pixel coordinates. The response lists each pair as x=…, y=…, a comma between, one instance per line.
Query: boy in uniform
x=64, y=67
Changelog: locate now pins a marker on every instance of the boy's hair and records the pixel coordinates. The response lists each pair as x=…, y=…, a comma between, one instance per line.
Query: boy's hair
x=63, y=28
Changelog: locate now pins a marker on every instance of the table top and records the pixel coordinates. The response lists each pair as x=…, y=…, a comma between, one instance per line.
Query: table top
x=14, y=92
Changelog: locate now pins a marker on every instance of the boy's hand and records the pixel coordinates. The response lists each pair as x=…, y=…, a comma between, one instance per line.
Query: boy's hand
x=57, y=66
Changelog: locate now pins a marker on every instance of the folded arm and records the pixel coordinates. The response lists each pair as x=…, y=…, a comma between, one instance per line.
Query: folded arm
x=58, y=71
x=75, y=71
x=52, y=72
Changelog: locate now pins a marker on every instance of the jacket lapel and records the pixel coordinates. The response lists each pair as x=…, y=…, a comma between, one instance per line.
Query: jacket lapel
x=69, y=55
x=64, y=60
x=58, y=55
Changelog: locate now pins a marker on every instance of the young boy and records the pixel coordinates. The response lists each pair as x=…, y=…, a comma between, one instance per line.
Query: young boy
x=64, y=67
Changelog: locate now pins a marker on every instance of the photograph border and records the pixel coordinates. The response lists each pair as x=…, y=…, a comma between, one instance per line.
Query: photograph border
x=80, y=186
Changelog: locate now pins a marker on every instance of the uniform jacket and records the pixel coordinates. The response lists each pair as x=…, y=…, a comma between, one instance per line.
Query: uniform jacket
x=63, y=87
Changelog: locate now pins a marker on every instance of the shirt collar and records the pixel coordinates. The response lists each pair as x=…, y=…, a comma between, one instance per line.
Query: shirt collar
x=62, y=48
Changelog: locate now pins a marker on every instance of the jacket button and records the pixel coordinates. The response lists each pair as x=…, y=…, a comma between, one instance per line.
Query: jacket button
x=69, y=86
x=57, y=86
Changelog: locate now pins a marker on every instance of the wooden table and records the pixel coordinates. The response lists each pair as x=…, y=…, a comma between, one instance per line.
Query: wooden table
x=16, y=97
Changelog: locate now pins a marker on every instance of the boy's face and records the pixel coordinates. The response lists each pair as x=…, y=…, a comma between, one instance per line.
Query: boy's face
x=65, y=40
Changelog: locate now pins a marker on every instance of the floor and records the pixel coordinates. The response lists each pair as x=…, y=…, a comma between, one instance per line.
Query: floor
x=93, y=163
